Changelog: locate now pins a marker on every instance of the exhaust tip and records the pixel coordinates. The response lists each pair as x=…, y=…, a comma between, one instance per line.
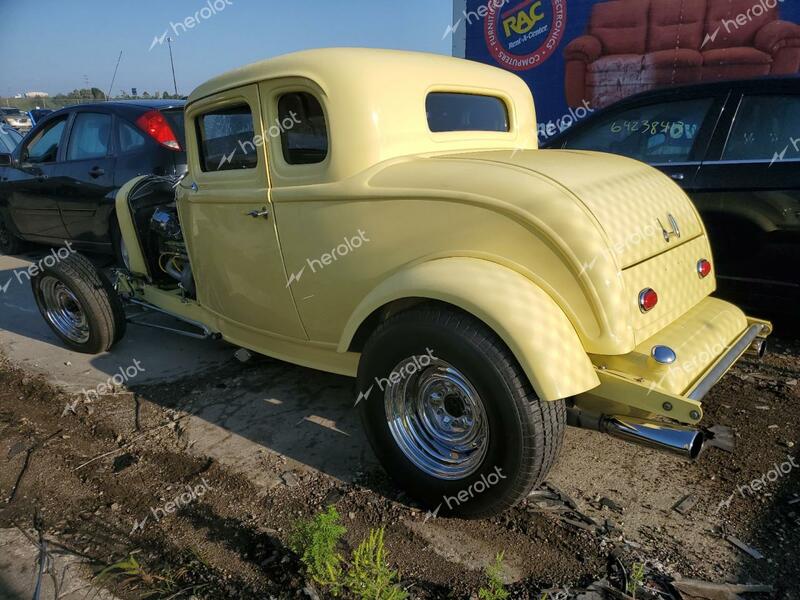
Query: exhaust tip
x=697, y=445
x=758, y=348
x=677, y=439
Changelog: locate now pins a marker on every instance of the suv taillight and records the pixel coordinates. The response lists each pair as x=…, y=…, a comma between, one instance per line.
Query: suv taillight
x=154, y=124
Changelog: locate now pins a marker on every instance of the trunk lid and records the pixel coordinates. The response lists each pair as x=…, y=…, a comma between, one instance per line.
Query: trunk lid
x=654, y=232
x=642, y=212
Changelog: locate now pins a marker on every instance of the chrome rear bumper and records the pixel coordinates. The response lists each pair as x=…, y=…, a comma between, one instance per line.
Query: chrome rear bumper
x=726, y=361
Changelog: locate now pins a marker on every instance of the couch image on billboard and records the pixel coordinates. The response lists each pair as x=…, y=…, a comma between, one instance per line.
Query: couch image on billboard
x=636, y=45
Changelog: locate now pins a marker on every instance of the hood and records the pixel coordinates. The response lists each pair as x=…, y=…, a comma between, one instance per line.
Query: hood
x=641, y=211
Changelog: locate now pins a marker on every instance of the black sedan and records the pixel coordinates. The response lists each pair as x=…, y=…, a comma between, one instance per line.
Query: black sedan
x=60, y=183
x=735, y=148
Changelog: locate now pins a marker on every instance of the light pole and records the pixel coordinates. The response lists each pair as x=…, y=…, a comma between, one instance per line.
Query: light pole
x=172, y=63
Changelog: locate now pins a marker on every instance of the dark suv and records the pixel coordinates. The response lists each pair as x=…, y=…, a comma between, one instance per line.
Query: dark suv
x=734, y=146
x=60, y=183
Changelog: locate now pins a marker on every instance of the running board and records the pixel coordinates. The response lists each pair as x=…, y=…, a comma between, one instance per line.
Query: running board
x=202, y=332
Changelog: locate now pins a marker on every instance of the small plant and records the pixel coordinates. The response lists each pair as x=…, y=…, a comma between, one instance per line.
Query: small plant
x=369, y=577
x=316, y=541
x=494, y=573
x=636, y=580
x=130, y=573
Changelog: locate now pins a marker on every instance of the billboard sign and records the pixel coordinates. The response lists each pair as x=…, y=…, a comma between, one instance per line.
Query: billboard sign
x=582, y=55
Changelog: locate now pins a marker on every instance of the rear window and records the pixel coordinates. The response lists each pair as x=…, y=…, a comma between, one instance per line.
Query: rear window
x=466, y=112
x=304, y=133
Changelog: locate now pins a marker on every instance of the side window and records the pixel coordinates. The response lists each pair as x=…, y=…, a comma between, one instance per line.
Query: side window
x=227, y=139
x=43, y=148
x=658, y=133
x=763, y=128
x=90, y=136
x=130, y=138
x=304, y=133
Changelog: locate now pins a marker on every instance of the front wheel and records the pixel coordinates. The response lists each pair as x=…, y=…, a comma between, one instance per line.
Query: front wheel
x=451, y=415
x=79, y=304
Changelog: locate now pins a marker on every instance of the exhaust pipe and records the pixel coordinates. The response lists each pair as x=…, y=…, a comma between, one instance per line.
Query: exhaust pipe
x=677, y=439
x=758, y=348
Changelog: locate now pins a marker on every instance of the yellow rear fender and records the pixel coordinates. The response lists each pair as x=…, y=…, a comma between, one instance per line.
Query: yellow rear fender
x=525, y=317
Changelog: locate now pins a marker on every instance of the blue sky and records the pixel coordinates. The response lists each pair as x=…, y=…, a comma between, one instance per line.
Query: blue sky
x=52, y=45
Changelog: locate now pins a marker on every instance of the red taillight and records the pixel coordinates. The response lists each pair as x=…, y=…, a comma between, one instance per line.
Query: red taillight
x=647, y=300
x=156, y=126
x=703, y=268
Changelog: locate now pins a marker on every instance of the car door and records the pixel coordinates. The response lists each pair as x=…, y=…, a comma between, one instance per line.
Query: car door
x=670, y=132
x=226, y=213
x=88, y=177
x=33, y=183
x=748, y=192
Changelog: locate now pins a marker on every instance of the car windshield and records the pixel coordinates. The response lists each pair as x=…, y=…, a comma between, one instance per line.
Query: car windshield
x=11, y=111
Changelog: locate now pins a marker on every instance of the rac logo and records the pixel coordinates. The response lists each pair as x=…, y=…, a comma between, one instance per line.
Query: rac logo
x=523, y=20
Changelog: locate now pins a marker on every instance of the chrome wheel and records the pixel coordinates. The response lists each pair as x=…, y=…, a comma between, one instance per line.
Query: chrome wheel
x=63, y=310
x=437, y=418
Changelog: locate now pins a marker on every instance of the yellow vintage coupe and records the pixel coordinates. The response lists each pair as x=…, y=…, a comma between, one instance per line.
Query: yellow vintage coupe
x=389, y=216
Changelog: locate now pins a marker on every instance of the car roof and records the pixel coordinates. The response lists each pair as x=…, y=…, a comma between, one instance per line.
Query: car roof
x=360, y=65
x=150, y=104
x=746, y=85
x=374, y=102
x=120, y=106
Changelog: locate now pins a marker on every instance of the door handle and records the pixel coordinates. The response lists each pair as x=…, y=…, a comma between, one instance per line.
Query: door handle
x=678, y=176
x=257, y=214
x=97, y=172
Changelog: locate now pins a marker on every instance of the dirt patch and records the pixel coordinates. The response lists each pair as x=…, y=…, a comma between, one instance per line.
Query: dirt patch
x=133, y=474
